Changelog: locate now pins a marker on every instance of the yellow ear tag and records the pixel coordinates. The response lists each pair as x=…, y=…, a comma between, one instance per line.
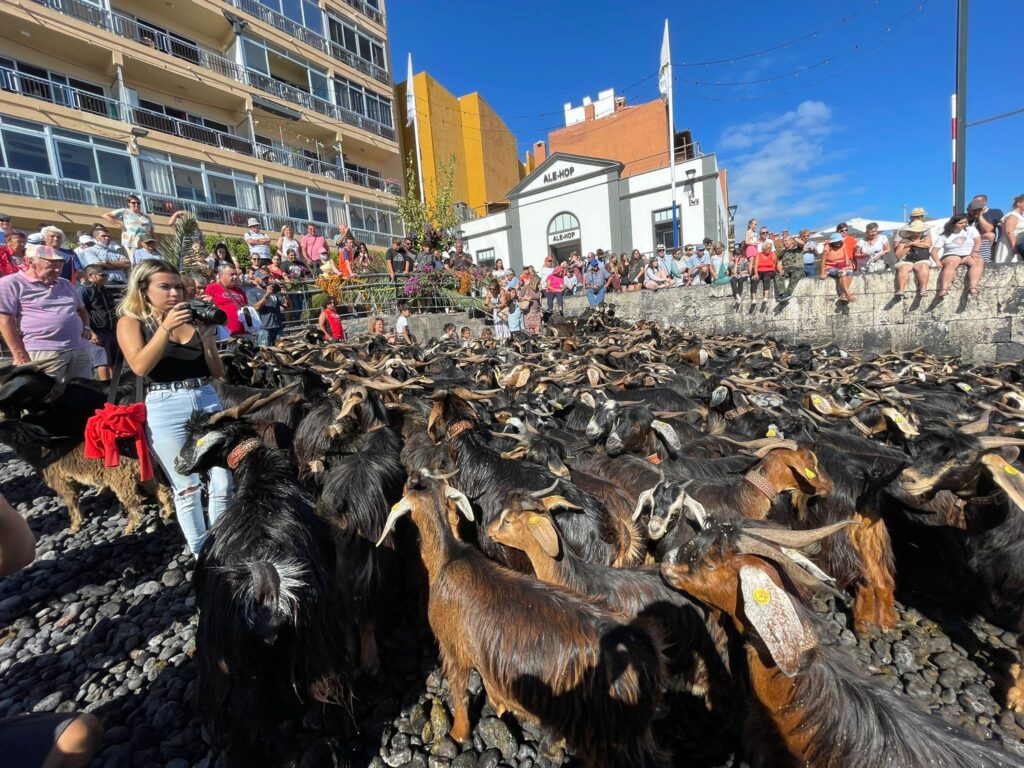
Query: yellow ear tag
x=395, y=506
x=816, y=400
x=533, y=519
x=771, y=433
x=1011, y=470
x=898, y=419
x=200, y=441
x=967, y=387
x=761, y=596
x=810, y=473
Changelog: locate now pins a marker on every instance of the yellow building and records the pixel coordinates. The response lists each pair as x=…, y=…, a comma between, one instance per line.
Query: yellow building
x=486, y=162
x=278, y=109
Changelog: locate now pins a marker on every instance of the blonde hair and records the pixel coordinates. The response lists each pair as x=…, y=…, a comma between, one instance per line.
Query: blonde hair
x=134, y=304
x=287, y=226
x=373, y=323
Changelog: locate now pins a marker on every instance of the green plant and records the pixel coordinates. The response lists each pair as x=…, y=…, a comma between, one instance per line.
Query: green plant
x=434, y=222
x=236, y=247
x=176, y=248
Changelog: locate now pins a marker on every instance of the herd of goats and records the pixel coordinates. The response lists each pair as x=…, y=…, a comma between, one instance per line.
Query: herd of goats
x=589, y=519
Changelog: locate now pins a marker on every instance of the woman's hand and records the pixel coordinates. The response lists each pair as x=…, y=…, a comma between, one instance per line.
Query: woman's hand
x=176, y=318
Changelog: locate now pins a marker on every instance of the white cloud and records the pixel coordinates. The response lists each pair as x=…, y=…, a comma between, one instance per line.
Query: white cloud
x=777, y=171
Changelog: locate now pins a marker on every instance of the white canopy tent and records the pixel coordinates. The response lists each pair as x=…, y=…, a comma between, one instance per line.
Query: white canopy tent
x=858, y=226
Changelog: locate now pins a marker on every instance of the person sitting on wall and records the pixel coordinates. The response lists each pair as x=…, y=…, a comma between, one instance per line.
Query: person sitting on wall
x=655, y=277
x=836, y=263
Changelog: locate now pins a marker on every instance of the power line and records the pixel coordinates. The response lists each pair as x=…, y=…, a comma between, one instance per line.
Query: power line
x=996, y=117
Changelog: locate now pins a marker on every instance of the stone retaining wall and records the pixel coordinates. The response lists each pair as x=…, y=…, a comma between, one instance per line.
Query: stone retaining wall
x=977, y=331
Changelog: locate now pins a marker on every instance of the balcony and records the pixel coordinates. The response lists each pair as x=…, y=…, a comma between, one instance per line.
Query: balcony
x=74, y=98
x=124, y=26
x=367, y=10
x=63, y=190
x=310, y=38
x=56, y=93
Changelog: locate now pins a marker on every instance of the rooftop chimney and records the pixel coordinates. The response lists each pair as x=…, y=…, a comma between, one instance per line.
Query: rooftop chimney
x=540, y=152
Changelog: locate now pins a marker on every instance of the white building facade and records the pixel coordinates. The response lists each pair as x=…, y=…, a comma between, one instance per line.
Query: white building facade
x=573, y=203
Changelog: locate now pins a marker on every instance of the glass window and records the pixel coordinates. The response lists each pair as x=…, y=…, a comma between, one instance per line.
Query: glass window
x=248, y=195
x=255, y=57
x=189, y=184
x=485, y=257
x=293, y=10
x=318, y=85
x=223, y=191
x=350, y=40
x=364, y=49
x=314, y=18
x=115, y=169
x=318, y=209
x=297, y=206
x=77, y=161
x=26, y=153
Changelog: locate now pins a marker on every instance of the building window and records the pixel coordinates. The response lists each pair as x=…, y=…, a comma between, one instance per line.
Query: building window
x=485, y=258
x=363, y=101
x=25, y=152
x=371, y=217
x=357, y=42
x=663, y=231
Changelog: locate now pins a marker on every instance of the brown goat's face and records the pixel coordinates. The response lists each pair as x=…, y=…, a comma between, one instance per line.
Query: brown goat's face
x=522, y=526
x=797, y=470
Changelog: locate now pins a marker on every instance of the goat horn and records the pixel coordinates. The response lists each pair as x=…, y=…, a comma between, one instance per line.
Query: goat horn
x=514, y=435
x=401, y=508
x=696, y=508
x=545, y=491
x=798, y=539
x=789, y=445
x=977, y=427
x=352, y=396
x=443, y=477
x=461, y=501
x=794, y=570
x=251, y=404
x=988, y=442
x=466, y=394
x=382, y=386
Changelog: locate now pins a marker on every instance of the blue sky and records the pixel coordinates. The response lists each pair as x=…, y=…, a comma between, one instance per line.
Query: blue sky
x=853, y=120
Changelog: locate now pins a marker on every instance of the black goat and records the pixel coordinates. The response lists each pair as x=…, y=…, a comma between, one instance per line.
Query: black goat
x=269, y=642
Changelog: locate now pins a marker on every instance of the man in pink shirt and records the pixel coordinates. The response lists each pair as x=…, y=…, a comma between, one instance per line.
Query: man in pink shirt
x=43, y=320
x=312, y=245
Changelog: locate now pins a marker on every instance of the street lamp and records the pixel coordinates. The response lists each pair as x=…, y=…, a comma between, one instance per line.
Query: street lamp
x=732, y=218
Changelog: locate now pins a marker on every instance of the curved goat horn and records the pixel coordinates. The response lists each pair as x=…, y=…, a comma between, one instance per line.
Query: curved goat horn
x=251, y=404
x=544, y=491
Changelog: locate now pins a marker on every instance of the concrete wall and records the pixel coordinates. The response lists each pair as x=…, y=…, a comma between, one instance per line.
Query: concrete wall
x=427, y=327
x=986, y=330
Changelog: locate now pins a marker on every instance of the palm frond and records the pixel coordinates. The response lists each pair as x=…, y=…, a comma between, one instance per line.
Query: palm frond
x=176, y=248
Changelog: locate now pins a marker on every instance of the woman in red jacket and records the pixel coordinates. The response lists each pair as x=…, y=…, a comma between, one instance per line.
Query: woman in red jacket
x=330, y=321
x=763, y=268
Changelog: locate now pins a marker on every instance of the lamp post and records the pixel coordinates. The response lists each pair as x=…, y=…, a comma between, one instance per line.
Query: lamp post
x=732, y=229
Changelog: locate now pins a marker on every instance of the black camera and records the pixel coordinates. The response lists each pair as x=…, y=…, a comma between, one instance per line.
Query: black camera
x=207, y=314
x=275, y=288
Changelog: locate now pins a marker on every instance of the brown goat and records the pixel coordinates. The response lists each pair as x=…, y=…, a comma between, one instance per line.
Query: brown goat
x=542, y=652
x=70, y=473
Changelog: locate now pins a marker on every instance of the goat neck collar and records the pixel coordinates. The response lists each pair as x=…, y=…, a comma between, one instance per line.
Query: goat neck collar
x=242, y=450
x=863, y=428
x=458, y=428
x=735, y=413
x=761, y=483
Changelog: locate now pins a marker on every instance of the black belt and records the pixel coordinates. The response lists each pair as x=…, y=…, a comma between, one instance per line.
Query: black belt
x=174, y=385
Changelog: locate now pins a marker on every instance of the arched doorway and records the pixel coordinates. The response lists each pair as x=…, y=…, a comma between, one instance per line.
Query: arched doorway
x=563, y=235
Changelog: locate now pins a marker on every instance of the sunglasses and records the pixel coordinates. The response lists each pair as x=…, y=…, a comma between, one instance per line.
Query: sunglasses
x=843, y=229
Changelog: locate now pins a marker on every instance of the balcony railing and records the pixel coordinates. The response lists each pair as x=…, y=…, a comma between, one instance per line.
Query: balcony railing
x=57, y=93
x=157, y=121
x=63, y=190
x=124, y=26
x=364, y=66
x=368, y=11
x=311, y=38
x=42, y=187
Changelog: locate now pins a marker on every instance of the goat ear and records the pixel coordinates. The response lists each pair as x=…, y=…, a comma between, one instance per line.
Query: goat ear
x=552, y=502
x=543, y=530
x=902, y=423
x=516, y=453
x=667, y=434
x=1006, y=476
x=557, y=468
x=614, y=442
x=770, y=612
x=588, y=399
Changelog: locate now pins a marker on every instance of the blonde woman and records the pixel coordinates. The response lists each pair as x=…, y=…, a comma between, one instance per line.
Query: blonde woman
x=176, y=359
x=287, y=241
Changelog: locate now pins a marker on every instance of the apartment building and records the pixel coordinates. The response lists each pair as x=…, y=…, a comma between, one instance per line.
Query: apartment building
x=278, y=109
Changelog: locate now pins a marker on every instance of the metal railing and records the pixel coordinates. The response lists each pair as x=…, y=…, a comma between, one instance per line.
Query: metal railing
x=311, y=38
x=125, y=26
x=57, y=93
x=367, y=10
x=356, y=62
x=64, y=190
x=157, y=121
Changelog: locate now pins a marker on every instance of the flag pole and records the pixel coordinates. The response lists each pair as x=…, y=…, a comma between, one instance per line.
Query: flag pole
x=665, y=85
x=410, y=109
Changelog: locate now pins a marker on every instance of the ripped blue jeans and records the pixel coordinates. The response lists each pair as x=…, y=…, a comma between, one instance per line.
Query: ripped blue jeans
x=167, y=410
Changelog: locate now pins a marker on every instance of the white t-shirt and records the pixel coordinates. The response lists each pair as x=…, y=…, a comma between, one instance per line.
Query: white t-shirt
x=400, y=325
x=958, y=243
x=874, y=248
x=260, y=252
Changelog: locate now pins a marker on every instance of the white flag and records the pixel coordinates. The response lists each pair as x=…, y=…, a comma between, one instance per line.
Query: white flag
x=665, y=70
x=410, y=97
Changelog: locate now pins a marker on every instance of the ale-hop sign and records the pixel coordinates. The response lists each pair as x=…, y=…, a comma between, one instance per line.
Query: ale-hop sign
x=563, y=237
x=561, y=174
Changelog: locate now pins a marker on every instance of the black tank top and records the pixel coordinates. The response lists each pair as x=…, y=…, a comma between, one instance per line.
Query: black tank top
x=179, y=362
